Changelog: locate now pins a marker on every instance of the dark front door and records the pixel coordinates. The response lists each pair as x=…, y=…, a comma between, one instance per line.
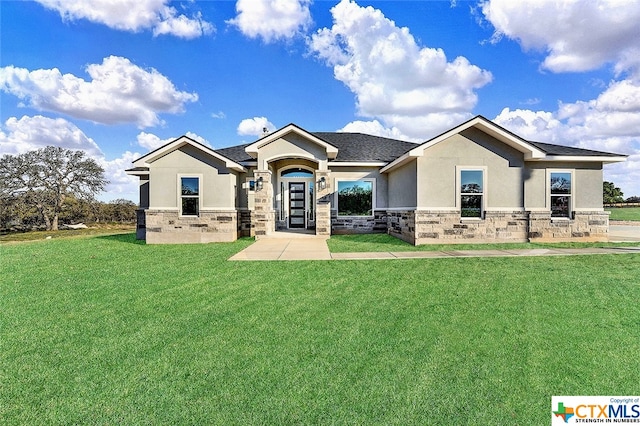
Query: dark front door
x=296, y=205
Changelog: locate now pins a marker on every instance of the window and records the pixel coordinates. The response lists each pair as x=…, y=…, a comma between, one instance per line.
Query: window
x=355, y=198
x=311, y=204
x=471, y=193
x=560, y=184
x=190, y=196
x=296, y=173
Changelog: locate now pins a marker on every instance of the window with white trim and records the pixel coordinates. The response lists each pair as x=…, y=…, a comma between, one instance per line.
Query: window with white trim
x=471, y=193
x=355, y=197
x=560, y=193
x=189, y=196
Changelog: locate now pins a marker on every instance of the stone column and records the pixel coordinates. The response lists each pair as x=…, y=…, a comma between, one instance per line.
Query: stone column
x=264, y=217
x=323, y=203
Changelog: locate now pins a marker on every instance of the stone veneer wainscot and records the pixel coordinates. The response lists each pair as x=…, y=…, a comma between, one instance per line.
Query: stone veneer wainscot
x=439, y=227
x=167, y=226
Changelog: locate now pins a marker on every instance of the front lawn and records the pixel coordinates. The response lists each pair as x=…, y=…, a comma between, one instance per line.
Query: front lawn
x=625, y=213
x=104, y=330
x=357, y=243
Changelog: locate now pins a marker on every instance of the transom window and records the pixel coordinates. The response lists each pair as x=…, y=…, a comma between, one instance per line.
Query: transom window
x=190, y=196
x=471, y=193
x=560, y=184
x=296, y=173
x=355, y=198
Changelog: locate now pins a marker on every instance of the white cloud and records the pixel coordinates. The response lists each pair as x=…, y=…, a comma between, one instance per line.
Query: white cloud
x=255, y=126
x=198, y=138
x=118, y=92
x=272, y=20
x=151, y=141
x=577, y=35
x=133, y=15
x=540, y=126
x=374, y=127
x=219, y=115
x=416, y=89
x=31, y=133
x=531, y=101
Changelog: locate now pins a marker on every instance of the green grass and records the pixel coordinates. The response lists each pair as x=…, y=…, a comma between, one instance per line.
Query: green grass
x=104, y=330
x=384, y=243
x=625, y=213
x=93, y=229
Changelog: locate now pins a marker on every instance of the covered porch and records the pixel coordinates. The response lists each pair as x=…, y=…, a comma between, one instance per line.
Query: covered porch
x=291, y=183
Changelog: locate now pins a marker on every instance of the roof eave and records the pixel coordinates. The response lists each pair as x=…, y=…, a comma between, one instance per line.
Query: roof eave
x=582, y=158
x=136, y=172
x=400, y=161
x=357, y=163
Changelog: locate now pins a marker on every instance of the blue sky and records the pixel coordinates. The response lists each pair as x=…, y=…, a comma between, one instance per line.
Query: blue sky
x=120, y=78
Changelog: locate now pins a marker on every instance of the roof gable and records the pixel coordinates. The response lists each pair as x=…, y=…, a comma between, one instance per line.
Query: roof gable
x=532, y=151
x=147, y=159
x=489, y=127
x=253, y=148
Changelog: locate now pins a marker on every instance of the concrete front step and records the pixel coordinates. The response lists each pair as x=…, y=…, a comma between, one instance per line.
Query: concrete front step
x=290, y=235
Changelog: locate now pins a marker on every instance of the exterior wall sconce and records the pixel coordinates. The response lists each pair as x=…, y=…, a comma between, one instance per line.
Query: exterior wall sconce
x=259, y=183
x=322, y=184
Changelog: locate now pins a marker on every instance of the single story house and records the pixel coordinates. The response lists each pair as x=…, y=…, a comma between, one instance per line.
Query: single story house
x=476, y=182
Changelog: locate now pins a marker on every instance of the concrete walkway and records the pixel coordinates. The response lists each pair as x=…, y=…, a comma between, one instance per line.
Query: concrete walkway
x=622, y=233
x=482, y=253
x=304, y=246
x=286, y=246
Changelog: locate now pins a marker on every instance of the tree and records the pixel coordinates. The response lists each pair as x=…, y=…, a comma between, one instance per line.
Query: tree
x=76, y=211
x=46, y=177
x=16, y=213
x=611, y=194
x=123, y=210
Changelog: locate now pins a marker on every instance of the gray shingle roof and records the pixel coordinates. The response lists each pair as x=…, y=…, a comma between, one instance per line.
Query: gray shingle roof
x=359, y=147
x=351, y=147
x=551, y=149
x=236, y=153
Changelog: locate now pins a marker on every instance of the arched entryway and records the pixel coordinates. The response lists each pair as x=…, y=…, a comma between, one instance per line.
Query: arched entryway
x=295, y=197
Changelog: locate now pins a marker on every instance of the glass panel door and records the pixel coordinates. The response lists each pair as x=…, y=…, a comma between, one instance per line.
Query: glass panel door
x=296, y=205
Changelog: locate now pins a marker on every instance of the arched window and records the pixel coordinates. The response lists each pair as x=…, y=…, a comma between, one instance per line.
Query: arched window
x=296, y=173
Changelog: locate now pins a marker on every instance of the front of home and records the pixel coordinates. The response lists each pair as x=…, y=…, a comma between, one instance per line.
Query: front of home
x=477, y=182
